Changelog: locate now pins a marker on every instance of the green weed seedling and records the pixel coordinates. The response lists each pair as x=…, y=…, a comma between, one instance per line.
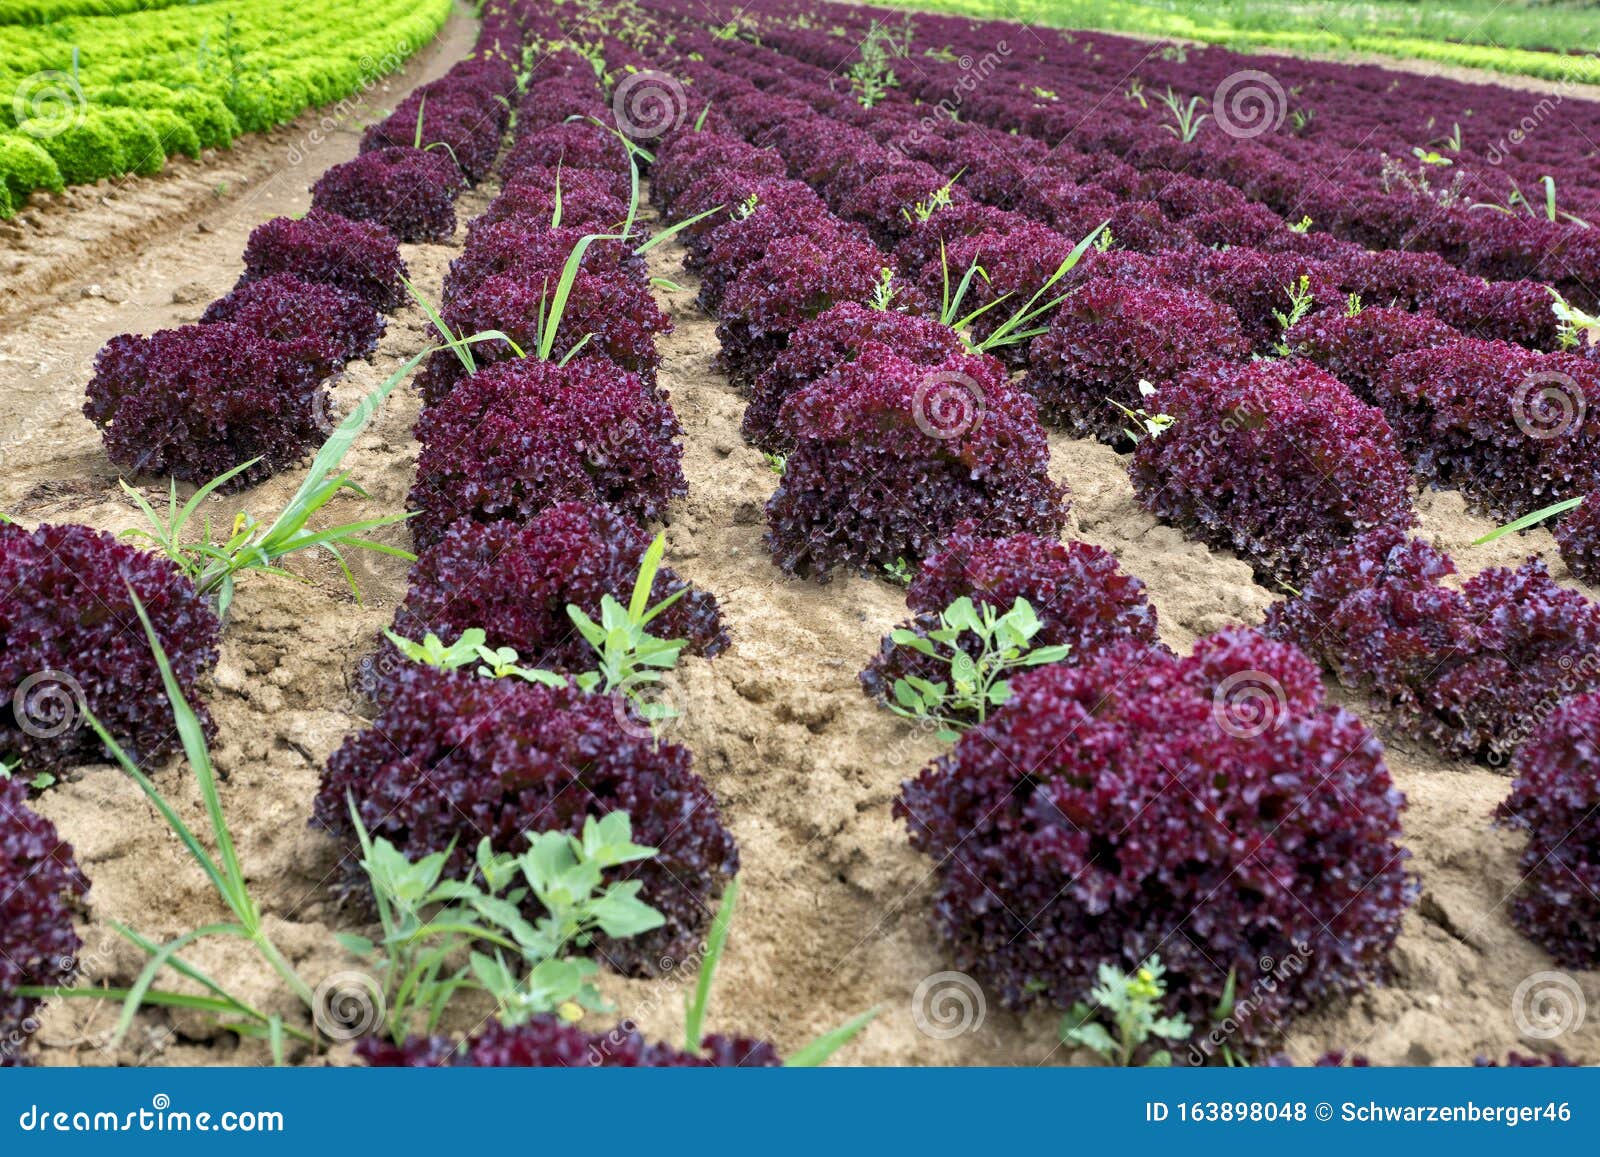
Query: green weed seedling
x=870, y=76
x=442, y=937
x=1123, y=1015
x=1300, y=304
x=214, y=563
x=1186, y=118
x=1003, y=643
x=629, y=659
x=1153, y=425
x=1527, y=521
x=1023, y=324
x=229, y=880
x=1577, y=328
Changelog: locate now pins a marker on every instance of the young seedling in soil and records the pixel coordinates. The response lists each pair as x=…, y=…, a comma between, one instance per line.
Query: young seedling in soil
x=441, y=937
x=977, y=682
x=1123, y=1016
x=213, y=563
x=629, y=659
x=227, y=877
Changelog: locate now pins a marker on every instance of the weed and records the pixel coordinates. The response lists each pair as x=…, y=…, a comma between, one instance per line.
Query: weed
x=981, y=646
x=227, y=877
x=214, y=563
x=1020, y=326
x=1518, y=200
x=1577, y=327
x=1300, y=303
x=1154, y=424
x=1124, y=1016
x=628, y=658
x=870, y=76
x=1186, y=118
x=885, y=292
x=441, y=937
x=695, y=1004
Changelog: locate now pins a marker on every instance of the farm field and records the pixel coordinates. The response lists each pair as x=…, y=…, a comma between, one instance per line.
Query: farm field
x=1554, y=41
x=1026, y=507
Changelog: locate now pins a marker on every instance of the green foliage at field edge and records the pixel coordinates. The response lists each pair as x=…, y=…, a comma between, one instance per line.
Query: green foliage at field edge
x=84, y=97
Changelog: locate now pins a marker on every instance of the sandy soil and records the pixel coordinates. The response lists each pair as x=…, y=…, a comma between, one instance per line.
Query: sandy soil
x=834, y=917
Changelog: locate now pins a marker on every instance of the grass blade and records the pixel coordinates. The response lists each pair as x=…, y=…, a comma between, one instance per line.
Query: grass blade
x=716, y=940
x=1528, y=520
x=820, y=1050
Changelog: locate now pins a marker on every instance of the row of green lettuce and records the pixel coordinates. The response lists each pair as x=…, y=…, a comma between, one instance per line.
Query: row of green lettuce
x=1546, y=40
x=48, y=11
x=88, y=97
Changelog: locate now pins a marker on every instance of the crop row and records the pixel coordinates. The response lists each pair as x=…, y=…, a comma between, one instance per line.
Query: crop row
x=1386, y=161
x=93, y=97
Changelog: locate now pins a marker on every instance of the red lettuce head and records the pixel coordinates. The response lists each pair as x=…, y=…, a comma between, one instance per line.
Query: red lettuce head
x=889, y=455
x=1211, y=809
x=523, y=435
x=1273, y=459
x=454, y=759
